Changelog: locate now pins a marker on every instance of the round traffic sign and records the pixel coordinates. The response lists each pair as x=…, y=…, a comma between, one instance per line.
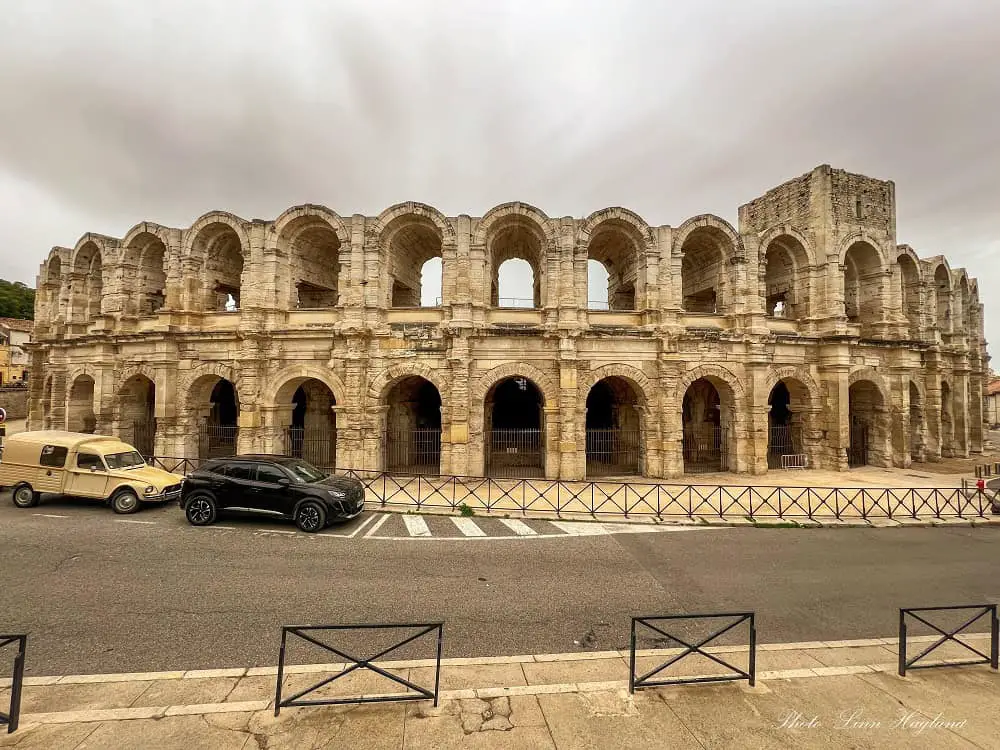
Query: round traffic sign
x=3, y=415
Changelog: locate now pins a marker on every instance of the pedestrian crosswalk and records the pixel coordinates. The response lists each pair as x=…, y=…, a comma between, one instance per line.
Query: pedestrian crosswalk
x=406, y=526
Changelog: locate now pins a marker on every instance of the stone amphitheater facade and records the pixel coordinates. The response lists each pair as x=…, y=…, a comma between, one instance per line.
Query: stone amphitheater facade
x=807, y=333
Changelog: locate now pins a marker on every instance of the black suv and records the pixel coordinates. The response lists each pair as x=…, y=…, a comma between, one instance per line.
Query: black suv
x=276, y=486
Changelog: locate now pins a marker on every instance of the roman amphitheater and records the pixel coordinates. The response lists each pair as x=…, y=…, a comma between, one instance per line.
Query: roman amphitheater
x=805, y=335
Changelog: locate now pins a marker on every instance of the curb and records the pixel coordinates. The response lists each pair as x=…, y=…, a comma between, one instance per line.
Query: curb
x=269, y=671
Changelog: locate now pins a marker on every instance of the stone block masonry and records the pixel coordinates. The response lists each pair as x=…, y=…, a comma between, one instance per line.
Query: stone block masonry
x=806, y=331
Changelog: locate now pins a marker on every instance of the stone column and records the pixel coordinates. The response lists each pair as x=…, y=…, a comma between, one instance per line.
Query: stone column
x=552, y=452
x=572, y=458
x=458, y=407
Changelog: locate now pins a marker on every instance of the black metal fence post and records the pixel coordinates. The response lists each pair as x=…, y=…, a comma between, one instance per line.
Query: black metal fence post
x=902, y=643
x=12, y=718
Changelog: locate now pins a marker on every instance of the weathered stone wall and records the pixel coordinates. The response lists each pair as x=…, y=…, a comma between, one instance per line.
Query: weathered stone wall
x=327, y=331
x=14, y=401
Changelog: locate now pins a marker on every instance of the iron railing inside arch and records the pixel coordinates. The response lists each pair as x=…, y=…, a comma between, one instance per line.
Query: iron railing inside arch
x=664, y=500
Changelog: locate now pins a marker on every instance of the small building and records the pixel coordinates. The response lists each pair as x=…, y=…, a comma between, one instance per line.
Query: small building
x=14, y=359
x=991, y=404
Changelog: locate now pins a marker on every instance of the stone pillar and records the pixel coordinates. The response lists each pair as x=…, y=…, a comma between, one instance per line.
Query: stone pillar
x=838, y=406
x=458, y=408
x=552, y=452
x=976, y=414
x=572, y=455
x=960, y=414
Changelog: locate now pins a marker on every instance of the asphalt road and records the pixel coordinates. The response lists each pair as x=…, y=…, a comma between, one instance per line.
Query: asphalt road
x=105, y=593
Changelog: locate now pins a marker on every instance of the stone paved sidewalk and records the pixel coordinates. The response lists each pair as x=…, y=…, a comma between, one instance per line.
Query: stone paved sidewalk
x=815, y=694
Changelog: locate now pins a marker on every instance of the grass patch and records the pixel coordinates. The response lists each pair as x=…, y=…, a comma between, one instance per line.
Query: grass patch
x=465, y=510
x=775, y=524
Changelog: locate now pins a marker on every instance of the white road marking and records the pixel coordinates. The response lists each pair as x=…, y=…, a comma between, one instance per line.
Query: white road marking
x=580, y=528
x=273, y=531
x=375, y=527
x=48, y=515
x=225, y=528
x=357, y=530
x=126, y=520
x=518, y=527
x=467, y=526
x=416, y=526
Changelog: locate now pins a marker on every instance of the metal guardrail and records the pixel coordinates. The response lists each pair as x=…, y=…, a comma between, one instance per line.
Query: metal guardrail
x=302, y=631
x=636, y=682
x=949, y=635
x=10, y=719
x=655, y=499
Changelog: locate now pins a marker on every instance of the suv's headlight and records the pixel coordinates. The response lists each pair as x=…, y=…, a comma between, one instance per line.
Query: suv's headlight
x=150, y=490
x=339, y=494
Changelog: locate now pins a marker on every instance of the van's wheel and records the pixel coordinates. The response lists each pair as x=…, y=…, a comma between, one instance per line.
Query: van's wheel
x=24, y=496
x=200, y=509
x=125, y=501
x=310, y=517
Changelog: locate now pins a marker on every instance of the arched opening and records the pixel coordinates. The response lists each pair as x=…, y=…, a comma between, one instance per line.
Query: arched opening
x=144, y=262
x=416, y=242
x=515, y=424
x=219, y=249
x=313, y=250
x=613, y=249
x=704, y=283
x=310, y=432
x=80, y=416
x=706, y=417
x=786, y=417
x=909, y=293
x=614, y=428
x=786, y=278
x=516, y=284
x=916, y=424
x=413, y=427
x=942, y=293
x=431, y=282
x=863, y=278
x=521, y=284
x=220, y=428
x=947, y=421
x=137, y=414
x=597, y=286
x=47, y=404
x=89, y=271
x=867, y=427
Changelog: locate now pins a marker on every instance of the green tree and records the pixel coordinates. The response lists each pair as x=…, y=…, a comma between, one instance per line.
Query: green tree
x=17, y=300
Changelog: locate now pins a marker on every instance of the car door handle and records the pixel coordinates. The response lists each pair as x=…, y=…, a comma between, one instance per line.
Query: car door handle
x=48, y=473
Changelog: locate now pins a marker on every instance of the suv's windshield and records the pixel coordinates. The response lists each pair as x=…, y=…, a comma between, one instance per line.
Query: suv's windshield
x=127, y=460
x=305, y=471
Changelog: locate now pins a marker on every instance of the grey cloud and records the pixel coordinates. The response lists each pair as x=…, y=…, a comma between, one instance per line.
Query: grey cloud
x=112, y=113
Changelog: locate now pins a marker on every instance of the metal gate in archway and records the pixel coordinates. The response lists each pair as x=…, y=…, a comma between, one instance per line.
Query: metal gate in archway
x=860, y=443
x=515, y=453
x=613, y=452
x=706, y=448
x=317, y=446
x=416, y=451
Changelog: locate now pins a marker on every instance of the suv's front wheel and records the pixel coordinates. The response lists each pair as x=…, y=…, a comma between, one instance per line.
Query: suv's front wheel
x=310, y=517
x=200, y=509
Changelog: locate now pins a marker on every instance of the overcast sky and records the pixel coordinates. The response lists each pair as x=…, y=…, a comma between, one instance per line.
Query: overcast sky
x=115, y=112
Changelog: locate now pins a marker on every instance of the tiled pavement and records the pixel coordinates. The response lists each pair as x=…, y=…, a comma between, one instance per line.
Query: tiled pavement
x=819, y=694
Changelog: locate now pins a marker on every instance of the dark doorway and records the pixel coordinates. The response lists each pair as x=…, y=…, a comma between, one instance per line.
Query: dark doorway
x=706, y=436
x=613, y=429
x=312, y=434
x=413, y=427
x=515, y=424
x=783, y=432
x=221, y=429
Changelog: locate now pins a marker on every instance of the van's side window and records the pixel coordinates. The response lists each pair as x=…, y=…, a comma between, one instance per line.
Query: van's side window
x=53, y=455
x=89, y=461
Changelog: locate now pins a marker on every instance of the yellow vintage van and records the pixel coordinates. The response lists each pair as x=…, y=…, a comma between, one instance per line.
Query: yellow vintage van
x=82, y=465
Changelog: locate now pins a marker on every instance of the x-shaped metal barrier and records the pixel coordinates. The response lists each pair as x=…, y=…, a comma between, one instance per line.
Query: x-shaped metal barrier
x=949, y=635
x=355, y=663
x=642, y=681
x=10, y=718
